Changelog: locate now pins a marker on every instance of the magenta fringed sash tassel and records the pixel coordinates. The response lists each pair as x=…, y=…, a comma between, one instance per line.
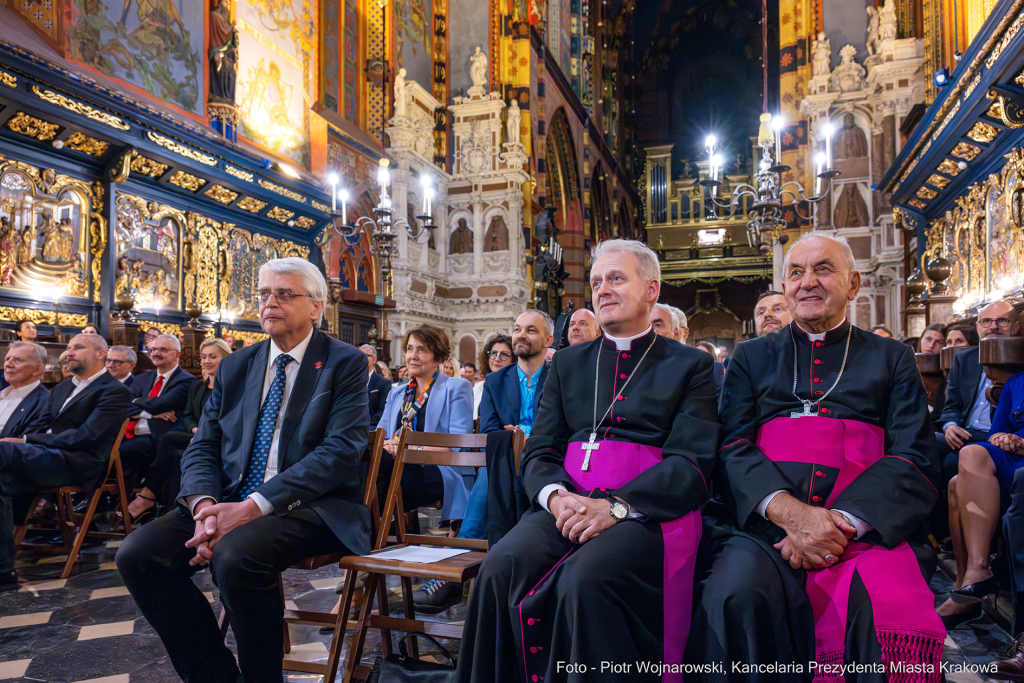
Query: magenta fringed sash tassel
x=829, y=667
x=910, y=657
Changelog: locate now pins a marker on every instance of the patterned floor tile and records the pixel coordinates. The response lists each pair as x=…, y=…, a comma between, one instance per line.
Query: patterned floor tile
x=324, y=584
x=38, y=586
x=117, y=628
x=120, y=678
x=33, y=619
x=14, y=669
x=114, y=592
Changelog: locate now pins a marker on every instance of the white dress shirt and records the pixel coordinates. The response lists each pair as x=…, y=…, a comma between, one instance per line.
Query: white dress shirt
x=80, y=385
x=621, y=344
x=10, y=399
x=142, y=426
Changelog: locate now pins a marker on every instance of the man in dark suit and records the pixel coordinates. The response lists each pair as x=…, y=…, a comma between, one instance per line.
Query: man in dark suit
x=158, y=397
x=87, y=412
x=121, y=360
x=25, y=402
x=271, y=477
x=509, y=390
x=378, y=387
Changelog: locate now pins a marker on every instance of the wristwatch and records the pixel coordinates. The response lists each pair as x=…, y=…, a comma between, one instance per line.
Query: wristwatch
x=620, y=511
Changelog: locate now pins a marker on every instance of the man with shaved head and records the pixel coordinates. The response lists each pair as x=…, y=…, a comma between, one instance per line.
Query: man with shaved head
x=86, y=413
x=825, y=474
x=583, y=327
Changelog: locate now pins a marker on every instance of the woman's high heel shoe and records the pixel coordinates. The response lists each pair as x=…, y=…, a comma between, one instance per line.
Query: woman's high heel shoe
x=951, y=621
x=141, y=518
x=974, y=592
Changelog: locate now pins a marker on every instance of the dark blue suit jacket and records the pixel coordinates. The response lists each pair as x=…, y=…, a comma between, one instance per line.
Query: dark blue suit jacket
x=500, y=404
x=32, y=415
x=962, y=387
x=377, y=391
x=323, y=435
x=174, y=397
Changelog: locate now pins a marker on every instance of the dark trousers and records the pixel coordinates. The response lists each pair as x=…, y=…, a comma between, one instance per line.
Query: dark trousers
x=153, y=561
x=1013, y=531
x=24, y=469
x=164, y=477
x=138, y=453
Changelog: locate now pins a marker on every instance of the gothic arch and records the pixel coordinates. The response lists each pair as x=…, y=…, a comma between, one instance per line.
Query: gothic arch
x=563, y=174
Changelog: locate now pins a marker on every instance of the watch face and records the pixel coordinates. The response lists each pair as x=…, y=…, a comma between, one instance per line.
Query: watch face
x=619, y=511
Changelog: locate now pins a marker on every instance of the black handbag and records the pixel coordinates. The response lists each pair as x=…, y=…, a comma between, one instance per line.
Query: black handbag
x=401, y=668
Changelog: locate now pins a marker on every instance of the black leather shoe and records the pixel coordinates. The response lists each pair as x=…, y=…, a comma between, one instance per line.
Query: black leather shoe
x=951, y=621
x=974, y=592
x=435, y=596
x=9, y=581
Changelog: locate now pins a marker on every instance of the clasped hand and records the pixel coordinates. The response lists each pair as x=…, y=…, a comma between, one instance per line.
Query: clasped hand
x=213, y=521
x=812, y=533
x=1011, y=443
x=580, y=519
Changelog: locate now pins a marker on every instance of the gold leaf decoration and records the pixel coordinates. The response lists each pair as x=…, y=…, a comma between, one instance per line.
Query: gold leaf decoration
x=927, y=193
x=938, y=181
x=10, y=80
x=221, y=194
x=279, y=214
x=80, y=108
x=145, y=165
x=187, y=181
x=321, y=207
x=33, y=127
x=965, y=151
x=283, y=191
x=239, y=173
x=982, y=132
x=42, y=317
x=949, y=167
x=251, y=204
x=305, y=222
x=80, y=142
x=182, y=150
x=918, y=204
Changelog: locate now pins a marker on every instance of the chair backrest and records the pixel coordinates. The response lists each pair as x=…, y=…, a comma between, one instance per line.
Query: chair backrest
x=373, y=456
x=410, y=451
x=115, y=454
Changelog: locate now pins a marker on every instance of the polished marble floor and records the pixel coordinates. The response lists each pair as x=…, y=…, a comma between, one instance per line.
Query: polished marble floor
x=87, y=628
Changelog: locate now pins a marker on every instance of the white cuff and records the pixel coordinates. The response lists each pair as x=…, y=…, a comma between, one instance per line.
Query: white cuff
x=546, y=492
x=857, y=523
x=265, y=507
x=144, y=416
x=192, y=501
x=762, y=507
x=947, y=426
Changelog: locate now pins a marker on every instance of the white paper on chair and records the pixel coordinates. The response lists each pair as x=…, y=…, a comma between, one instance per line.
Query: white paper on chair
x=420, y=554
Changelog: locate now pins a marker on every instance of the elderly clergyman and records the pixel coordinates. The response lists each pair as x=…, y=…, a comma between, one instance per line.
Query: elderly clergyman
x=825, y=475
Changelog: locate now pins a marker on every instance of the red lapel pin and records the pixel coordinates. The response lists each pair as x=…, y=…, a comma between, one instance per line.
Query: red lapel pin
x=318, y=366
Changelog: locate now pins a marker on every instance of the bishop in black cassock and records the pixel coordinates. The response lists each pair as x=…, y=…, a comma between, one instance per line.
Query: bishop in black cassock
x=862, y=453
x=545, y=608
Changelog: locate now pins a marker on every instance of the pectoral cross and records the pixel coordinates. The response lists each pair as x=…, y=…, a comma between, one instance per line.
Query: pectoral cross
x=807, y=411
x=589, y=448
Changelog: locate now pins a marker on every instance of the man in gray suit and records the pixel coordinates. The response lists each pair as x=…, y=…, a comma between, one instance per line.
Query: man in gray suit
x=271, y=477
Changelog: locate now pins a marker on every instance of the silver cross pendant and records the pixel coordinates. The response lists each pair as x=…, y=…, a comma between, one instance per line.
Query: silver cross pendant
x=807, y=411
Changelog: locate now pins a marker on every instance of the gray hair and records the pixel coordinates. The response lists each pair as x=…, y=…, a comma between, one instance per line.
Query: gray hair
x=128, y=352
x=316, y=286
x=844, y=245
x=367, y=347
x=683, y=323
x=647, y=259
x=38, y=352
x=543, y=316
x=174, y=341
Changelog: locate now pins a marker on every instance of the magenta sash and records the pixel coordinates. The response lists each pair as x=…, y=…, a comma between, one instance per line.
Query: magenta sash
x=615, y=464
x=909, y=631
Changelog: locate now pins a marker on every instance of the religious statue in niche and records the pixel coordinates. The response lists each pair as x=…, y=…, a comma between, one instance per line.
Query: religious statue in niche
x=1017, y=207
x=851, y=211
x=401, y=93
x=462, y=239
x=27, y=246
x=478, y=73
x=496, y=237
x=73, y=281
x=8, y=250
x=887, y=21
x=874, y=21
x=851, y=143
x=223, y=54
x=821, y=56
x=51, y=239
x=515, y=118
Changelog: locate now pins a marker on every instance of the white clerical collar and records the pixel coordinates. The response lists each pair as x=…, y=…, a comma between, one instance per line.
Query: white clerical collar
x=820, y=337
x=624, y=343
x=296, y=353
x=20, y=392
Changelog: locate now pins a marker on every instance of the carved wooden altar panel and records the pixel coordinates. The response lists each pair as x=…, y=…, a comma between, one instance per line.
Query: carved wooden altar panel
x=148, y=244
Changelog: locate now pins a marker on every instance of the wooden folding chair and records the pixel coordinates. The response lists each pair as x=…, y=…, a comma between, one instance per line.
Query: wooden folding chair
x=74, y=527
x=460, y=568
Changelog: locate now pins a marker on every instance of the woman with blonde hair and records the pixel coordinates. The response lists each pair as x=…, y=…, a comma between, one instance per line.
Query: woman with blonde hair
x=451, y=367
x=165, y=472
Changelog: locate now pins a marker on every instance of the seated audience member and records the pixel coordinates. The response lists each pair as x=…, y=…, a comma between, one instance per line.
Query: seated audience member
x=771, y=313
x=583, y=327
x=121, y=361
x=933, y=338
x=723, y=357
x=377, y=387
x=961, y=335
x=451, y=367
x=601, y=568
x=549, y=353
x=469, y=373
x=25, y=402
x=808, y=560
x=1012, y=668
x=982, y=493
x=881, y=331
x=25, y=330
x=430, y=402
x=62, y=361
x=229, y=339
x=496, y=354
x=271, y=477
x=682, y=332
x=149, y=337
x=248, y=341
x=85, y=416
x=163, y=480
x=719, y=369
x=384, y=371
x=664, y=321
x=90, y=329
x=158, y=397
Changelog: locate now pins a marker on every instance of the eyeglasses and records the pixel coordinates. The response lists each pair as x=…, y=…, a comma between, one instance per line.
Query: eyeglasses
x=500, y=355
x=117, y=363
x=283, y=296
x=1001, y=323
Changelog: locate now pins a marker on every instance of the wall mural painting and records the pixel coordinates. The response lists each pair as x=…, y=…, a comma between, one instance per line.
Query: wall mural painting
x=276, y=75
x=155, y=45
x=339, y=57
x=148, y=243
x=49, y=234
x=414, y=34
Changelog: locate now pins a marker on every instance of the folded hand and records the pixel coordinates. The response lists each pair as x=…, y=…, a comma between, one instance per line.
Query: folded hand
x=213, y=521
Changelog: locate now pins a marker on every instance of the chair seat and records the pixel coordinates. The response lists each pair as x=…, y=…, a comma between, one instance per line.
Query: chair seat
x=317, y=561
x=459, y=568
